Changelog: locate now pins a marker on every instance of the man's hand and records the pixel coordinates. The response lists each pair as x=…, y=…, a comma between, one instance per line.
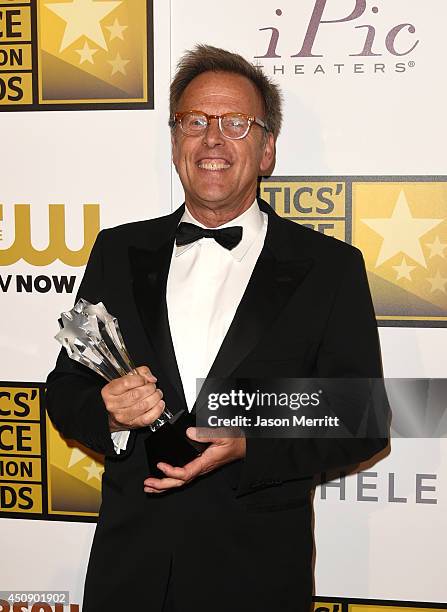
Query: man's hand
x=133, y=400
x=220, y=452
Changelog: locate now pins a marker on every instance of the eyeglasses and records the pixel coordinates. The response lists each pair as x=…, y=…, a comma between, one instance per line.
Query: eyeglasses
x=231, y=125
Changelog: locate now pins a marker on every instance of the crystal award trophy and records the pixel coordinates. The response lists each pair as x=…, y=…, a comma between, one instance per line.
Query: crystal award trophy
x=92, y=337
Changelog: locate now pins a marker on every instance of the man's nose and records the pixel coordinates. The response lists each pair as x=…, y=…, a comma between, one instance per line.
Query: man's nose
x=213, y=136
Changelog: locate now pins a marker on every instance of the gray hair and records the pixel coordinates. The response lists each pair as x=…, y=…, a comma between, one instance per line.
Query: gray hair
x=205, y=58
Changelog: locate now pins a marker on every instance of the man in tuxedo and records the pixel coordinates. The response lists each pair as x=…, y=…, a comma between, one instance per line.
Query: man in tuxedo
x=222, y=287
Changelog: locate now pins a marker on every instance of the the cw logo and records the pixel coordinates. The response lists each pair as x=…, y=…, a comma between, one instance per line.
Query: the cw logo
x=22, y=247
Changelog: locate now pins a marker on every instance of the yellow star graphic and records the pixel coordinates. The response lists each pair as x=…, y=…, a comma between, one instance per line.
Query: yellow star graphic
x=86, y=53
x=83, y=18
x=116, y=30
x=401, y=232
x=404, y=270
x=438, y=283
x=437, y=247
x=118, y=64
x=94, y=471
x=76, y=456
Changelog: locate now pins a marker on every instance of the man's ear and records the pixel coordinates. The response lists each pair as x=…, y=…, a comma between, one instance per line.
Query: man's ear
x=267, y=162
x=173, y=149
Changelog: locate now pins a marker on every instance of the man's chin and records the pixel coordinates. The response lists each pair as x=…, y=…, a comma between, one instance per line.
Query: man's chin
x=213, y=197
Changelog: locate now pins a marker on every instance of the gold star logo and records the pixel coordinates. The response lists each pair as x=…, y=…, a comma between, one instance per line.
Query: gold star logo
x=401, y=232
x=404, y=270
x=438, y=283
x=83, y=18
x=118, y=64
x=94, y=471
x=116, y=30
x=86, y=53
x=436, y=247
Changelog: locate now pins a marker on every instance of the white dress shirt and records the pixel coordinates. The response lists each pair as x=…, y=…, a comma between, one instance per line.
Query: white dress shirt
x=204, y=287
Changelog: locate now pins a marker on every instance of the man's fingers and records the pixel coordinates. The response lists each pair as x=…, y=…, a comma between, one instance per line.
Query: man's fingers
x=175, y=476
x=162, y=484
x=131, y=381
x=187, y=472
x=145, y=371
x=140, y=415
x=145, y=396
x=150, y=416
x=135, y=407
x=214, y=456
x=122, y=385
x=212, y=434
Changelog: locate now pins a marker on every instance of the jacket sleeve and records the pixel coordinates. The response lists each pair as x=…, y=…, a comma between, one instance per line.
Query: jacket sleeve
x=73, y=391
x=349, y=349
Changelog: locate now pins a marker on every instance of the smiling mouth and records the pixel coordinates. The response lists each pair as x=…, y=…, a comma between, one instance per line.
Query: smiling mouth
x=214, y=165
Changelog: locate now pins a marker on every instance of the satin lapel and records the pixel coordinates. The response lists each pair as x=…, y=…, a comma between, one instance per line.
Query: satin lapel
x=150, y=272
x=277, y=274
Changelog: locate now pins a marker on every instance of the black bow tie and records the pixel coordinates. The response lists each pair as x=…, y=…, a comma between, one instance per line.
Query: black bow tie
x=228, y=237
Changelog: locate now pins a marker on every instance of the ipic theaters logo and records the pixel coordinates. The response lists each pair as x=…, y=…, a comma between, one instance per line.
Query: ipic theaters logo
x=17, y=232
x=76, y=54
x=399, y=224
x=355, y=37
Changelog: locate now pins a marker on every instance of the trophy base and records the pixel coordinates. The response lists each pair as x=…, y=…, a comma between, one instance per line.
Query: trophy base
x=170, y=444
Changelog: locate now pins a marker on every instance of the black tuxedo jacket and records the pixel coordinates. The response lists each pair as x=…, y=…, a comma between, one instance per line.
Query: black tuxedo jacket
x=239, y=537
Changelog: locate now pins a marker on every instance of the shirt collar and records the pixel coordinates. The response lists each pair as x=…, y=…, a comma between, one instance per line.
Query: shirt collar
x=251, y=220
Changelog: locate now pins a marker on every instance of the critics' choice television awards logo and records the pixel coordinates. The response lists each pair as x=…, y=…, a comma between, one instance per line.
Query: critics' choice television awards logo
x=329, y=37
x=17, y=233
x=76, y=54
x=41, y=473
x=399, y=224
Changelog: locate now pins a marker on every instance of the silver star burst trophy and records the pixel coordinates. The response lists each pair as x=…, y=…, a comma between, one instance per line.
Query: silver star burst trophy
x=92, y=337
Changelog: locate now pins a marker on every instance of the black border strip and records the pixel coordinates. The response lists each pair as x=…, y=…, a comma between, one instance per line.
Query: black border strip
x=348, y=211
x=44, y=449
x=34, y=53
x=381, y=602
x=150, y=54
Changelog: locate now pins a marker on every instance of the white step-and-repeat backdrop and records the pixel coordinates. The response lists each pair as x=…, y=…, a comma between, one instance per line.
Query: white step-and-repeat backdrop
x=83, y=116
